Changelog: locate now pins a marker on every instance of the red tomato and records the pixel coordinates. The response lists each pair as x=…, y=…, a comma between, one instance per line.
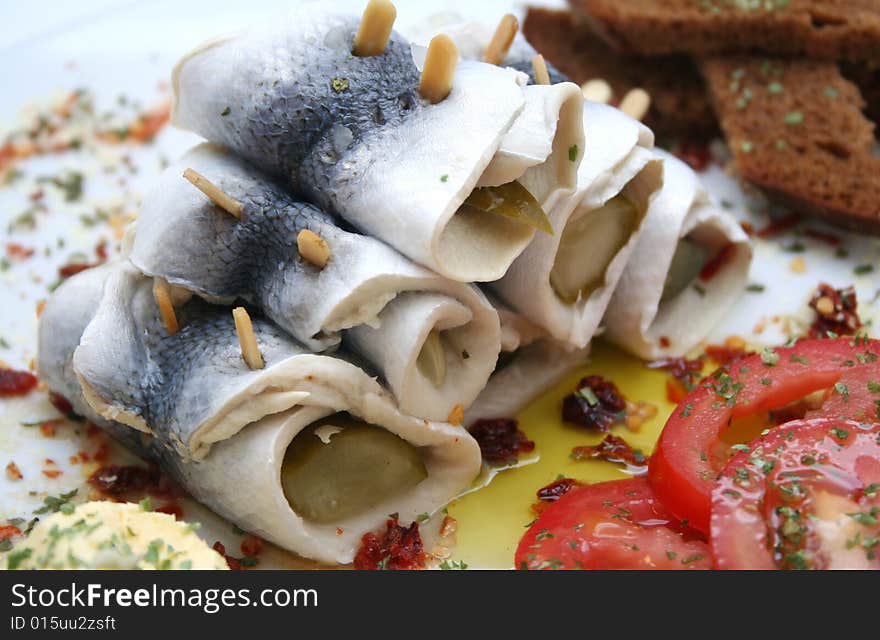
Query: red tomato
x=804, y=496
x=690, y=454
x=609, y=525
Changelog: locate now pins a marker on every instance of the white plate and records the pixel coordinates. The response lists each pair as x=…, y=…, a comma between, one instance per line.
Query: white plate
x=123, y=48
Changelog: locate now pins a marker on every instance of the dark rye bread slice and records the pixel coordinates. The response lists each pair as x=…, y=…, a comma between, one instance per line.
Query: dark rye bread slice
x=797, y=131
x=679, y=103
x=826, y=29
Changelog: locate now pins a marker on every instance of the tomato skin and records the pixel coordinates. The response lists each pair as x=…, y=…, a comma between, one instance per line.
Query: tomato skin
x=683, y=467
x=609, y=525
x=786, y=469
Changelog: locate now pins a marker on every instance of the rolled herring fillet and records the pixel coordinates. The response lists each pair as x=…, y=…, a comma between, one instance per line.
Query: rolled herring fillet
x=352, y=135
x=309, y=452
x=690, y=265
x=393, y=312
x=564, y=281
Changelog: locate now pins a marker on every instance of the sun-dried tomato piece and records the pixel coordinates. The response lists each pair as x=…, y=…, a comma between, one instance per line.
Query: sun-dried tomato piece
x=713, y=266
x=16, y=383
x=596, y=403
x=232, y=562
x=612, y=449
x=251, y=546
x=118, y=481
x=500, y=439
x=171, y=509
x=398, y=548
x=556, y=489
x=685, y=371
x=8, y=531
x=835, y=312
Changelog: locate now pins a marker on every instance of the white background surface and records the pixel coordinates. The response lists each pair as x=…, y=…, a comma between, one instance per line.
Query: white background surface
x=116, y=47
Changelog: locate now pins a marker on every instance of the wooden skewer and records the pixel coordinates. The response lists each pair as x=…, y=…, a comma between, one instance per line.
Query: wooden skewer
x=501, y=40
x=216, y=195
x=597, y=90
x=313, y=248
x=440, y=62
x=162, y=294
x=375, y=28
x=636, y=103
x=250, y=350
x=539, y=67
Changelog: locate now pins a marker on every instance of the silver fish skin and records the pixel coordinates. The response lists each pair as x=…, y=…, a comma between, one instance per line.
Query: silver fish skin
x=238, y=476
x=306, y=105
x=182, y=237
x=352, y=134
x=190, y=388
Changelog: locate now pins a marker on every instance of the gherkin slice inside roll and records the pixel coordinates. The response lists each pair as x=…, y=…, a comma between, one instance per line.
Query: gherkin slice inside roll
x=511, y=200
x=340, y=467
x=588, y=245
x=432, y=359
x=689, y=259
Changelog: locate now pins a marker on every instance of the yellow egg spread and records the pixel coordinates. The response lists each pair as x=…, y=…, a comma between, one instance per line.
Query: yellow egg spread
x=111, y=535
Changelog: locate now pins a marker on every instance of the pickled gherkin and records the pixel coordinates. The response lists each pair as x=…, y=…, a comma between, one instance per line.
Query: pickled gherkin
x=511, y=200
x=689, y=259
x=432, y=359
x=580, y=264
x=358, y=467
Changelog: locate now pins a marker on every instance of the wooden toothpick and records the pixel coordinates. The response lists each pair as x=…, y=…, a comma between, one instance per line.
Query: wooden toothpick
x=375, y=28
x=501, y=40
x=247, y=339
x=439, y=69
x=214, y=193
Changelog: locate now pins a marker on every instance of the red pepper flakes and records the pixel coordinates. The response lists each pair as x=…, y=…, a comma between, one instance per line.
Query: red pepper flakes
x=101, y=250
x=778, y=226
x=68, y=270
x=15, y=251
x=171, y=509
x=13, y=472
x=500, y=439
x=8, y=531
x=686, y=373
x=824, y=236
x=748, y=227
x=251, y=546
x=733, y=349
x=612, y=449
x=596, y=403
x=675, y=391
x=48, y=429
x=398, y=548
x=52, y=473
x=556, y=489
x=835, y=312
x=102, y=452
x=233, y=563
x=665, y=342
x=61, y=403
x=713, y=266
x=116, y=481
x=16, y=383
x=695, y=154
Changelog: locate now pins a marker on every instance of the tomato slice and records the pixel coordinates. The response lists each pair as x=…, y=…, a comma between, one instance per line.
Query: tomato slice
x=804, y=496
x=690, y=453
x=609, y=525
